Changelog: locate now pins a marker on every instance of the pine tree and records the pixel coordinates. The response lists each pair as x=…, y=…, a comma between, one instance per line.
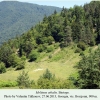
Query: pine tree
x=68, y=35
x=23, y=80
x=89, y=71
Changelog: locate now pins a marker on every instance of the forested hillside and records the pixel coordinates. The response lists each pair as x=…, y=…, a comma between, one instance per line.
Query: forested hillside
x=70, y=38
x=17, y=17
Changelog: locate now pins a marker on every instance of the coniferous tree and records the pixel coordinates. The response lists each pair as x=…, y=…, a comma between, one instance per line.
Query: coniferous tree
x=89, y=71
x=68, y=35
x=5, y=52
x=23, y=80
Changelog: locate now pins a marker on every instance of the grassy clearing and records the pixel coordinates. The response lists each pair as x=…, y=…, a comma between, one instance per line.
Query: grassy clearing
x=61, y=64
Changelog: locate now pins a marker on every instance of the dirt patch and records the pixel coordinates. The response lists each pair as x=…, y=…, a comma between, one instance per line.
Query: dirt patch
x=39, y=69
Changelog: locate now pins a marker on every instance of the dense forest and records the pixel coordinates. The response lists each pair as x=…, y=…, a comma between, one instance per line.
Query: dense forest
x=78, y=26
x=17, y=17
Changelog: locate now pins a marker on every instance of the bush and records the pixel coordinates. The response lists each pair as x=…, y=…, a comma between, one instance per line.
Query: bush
x=50, y=40
x=78, y=50
x=2, y=68
x=13, y=60
x=62, y=45
x=50, y=56
x=41, y=48
x=50, y=49
x=8, y=84
x=21, y=65
x=23, y=58
x=81, y=45
x=81, y=54
x=33, y=56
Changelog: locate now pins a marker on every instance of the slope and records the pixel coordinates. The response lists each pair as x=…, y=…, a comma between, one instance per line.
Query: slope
x=57, y=43
x=17, y=17
x=59, y=65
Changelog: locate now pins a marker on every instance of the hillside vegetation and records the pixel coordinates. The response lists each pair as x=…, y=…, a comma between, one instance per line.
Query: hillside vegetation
x=62, y=51
x=17, y=17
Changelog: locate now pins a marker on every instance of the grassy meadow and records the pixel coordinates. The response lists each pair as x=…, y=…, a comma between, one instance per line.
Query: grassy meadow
x=60, y=62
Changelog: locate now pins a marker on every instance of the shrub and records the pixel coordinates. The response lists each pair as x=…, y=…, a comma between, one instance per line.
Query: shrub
x=21, y=65
x=33, y=56
x=50, y=56
x=81, y=54
x=13, y=60
x=81, y=45
x=66, y=84
x=41, y=48
x=78, y=50
x=50, y=49
x=50, y=40
x=2, y=68
x=62, y=45
x=8, y=84
x=23, y=58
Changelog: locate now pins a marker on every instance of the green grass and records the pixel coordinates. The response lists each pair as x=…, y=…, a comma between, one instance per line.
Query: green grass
x=61, y=64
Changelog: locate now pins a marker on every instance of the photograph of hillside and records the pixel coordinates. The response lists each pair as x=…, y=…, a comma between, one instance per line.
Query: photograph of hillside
x=61, y=50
